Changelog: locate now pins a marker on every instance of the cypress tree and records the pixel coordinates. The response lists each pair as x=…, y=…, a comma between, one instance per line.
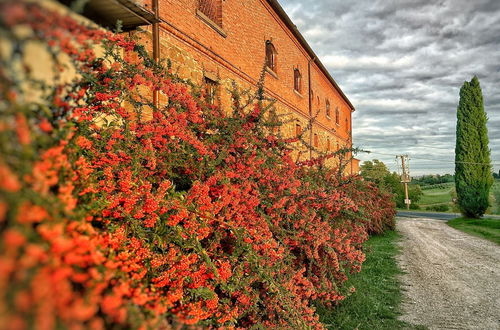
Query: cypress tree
x=473, y=177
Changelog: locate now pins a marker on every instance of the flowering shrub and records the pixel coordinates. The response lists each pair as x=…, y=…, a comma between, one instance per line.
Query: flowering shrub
x=378, y=206
x=192, y=217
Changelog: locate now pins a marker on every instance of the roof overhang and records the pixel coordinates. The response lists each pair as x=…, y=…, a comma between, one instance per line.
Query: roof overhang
x=132, y=14
x=293, y=28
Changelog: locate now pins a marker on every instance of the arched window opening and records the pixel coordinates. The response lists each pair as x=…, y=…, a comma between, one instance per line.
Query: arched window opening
x=328, y=108
x=337, y=116
x=297, y=80
x=271, y=56
x=298, y=130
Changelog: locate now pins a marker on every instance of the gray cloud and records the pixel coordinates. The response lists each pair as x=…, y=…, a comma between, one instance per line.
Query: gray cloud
x=402, y=63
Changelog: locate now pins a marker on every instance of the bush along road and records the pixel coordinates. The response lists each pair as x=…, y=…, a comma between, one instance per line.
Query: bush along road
x=192, y=215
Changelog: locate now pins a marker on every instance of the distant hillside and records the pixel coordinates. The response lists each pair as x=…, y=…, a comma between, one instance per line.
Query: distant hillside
x=426, y=180
x=438, y=197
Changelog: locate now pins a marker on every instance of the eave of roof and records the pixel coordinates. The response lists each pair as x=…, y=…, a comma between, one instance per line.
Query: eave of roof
x=286, y=19
x=129, y=12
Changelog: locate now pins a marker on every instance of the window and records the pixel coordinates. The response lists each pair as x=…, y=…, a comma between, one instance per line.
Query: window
x=297, y=80
x=298, y=130
x=210, y=91
x=328, y=108
x=316, y=140
x=318, y=101
x=271, y=55
x=337, y=116
x=212, y=9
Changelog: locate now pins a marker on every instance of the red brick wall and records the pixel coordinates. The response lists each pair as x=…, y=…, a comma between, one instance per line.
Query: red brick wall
x=235, y=50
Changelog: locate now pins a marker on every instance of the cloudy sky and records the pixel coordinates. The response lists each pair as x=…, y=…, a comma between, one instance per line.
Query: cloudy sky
x=401, y=63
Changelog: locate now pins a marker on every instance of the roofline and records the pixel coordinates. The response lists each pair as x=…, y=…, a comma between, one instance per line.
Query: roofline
x=286, y=19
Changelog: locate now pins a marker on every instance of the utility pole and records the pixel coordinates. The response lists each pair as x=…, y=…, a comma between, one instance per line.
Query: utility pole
x=405, y=176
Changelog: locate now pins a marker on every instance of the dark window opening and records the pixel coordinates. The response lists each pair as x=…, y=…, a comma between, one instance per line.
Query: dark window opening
x=271, y=56
x=298, y=130
x=328, y=108
x=337, y=116
x=297, y=80
x=210, y=91
x=212, y=9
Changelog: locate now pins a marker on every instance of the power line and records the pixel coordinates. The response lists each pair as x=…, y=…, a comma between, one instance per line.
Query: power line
x=431, y=159
x=437, y=148
x=429, y=147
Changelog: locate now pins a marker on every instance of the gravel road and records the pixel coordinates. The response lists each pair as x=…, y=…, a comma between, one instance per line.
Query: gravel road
x=451, y=280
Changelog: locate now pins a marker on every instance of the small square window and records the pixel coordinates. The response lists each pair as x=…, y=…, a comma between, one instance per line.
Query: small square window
x=212, y=9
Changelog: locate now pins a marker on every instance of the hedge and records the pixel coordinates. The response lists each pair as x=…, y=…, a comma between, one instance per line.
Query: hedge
x=199, y=216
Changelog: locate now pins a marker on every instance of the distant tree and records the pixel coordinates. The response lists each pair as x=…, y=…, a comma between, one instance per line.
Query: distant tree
x=377, y=172
x=448, y=178
x=473, y=177
x=415, y=193
x=433, y=179
x=393, y=180
x=374, y=171
x=496, y=194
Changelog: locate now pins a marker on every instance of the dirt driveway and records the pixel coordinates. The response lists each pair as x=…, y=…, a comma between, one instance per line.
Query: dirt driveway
x=451, y=280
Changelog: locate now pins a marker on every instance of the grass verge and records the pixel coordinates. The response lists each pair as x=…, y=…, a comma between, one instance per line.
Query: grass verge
x=486, y=228
x=375, y=304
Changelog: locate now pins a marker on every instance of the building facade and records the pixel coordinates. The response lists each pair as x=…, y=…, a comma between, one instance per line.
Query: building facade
x=216, y=42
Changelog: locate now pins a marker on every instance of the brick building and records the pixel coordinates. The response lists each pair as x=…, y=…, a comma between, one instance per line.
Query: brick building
x=216, y=42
